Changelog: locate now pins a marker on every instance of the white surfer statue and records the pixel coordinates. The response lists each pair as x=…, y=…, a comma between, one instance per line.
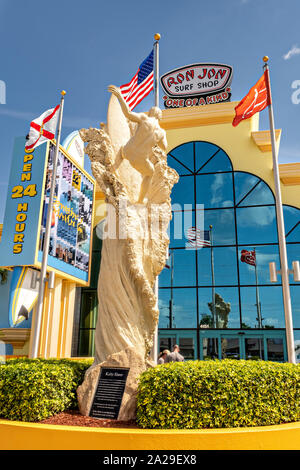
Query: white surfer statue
x=139, y=149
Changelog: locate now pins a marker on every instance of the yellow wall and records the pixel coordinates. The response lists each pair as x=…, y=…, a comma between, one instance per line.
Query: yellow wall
x=100, y=206
x=57, y=320
x=15, y=435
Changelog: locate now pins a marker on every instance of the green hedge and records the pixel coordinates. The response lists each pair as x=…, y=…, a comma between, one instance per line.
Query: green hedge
x=34, y=389
x=218, y=394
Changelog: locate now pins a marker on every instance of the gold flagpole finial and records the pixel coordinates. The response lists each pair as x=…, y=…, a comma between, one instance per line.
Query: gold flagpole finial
x=157, y=37
x=265, y=58
x=63, y=92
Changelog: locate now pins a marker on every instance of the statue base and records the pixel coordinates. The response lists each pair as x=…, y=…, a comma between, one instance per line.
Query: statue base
x=89, y=389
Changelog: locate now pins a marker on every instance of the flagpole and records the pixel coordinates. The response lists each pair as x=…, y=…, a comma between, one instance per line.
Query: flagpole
x=156, y=103
x=40, y=300
x=258, y=306
x=172, y=282
x=214, y=313
x=281, y=231
x=156, y=69
x=259, y=319
x=215, y=319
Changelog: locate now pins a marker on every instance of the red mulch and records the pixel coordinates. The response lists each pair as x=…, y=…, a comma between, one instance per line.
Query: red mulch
x=74, y=418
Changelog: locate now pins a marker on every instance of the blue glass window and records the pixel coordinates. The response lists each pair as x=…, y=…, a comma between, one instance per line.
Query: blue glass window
x=180, y=269
x=222, y=222
x=271, y=307
x=225, y=313
x=256, y=225
x=291, y=221
x=238, y=209
x=264, y=255
x=215, y=190
x=295, y=299
x=181, y=221
x=184, y=156
x=183, y=192
x=251, y=190
x=294, y=234
x=297, y=345
x=293, y=254
x=218, y=265
x=178, y=307
x=210, y=158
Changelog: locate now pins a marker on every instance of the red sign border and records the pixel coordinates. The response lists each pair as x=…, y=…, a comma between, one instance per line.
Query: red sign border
x=197, y=92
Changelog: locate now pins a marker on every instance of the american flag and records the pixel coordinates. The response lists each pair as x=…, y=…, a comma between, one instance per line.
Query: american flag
x=141, y=84
x=197, y=238
x=248, y=257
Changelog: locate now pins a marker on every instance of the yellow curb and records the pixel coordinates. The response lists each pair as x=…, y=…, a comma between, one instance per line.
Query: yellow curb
x=16, y=435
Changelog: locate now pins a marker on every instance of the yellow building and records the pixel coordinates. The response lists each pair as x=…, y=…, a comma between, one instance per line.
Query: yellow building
x=211, y=302
x=229, y=171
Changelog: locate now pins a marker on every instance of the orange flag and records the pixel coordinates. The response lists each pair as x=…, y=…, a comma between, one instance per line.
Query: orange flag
x=256, y=100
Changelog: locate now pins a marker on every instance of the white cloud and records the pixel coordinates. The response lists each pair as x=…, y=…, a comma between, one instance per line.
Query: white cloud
x=295, y=50
x=256, y=217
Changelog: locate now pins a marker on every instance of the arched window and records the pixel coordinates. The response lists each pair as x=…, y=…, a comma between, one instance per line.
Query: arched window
x=233, y=211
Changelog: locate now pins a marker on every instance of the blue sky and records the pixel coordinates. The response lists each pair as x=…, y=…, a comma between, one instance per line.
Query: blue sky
x=83, y=47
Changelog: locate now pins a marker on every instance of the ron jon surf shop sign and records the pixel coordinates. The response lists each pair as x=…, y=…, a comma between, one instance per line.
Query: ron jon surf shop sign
x=196, y=85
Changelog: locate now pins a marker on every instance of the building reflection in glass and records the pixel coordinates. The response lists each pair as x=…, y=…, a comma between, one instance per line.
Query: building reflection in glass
x=210, y=288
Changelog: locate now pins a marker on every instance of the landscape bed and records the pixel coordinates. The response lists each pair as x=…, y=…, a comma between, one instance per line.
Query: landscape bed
x=188, y=395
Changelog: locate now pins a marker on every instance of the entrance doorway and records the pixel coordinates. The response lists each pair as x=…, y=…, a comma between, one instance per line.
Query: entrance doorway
x=186, y=340
x=265, y=345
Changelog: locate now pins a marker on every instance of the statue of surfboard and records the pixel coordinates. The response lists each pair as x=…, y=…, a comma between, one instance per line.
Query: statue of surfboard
x=23, y=296
x=119, y=132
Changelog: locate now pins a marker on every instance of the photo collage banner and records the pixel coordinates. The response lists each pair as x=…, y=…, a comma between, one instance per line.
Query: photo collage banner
x=71, y=225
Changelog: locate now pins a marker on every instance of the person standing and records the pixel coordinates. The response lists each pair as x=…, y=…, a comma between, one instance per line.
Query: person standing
x=162, y=356
x=175, y=356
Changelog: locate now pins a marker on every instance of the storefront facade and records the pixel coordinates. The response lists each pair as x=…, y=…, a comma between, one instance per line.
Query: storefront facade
x=225, y=188
x=211, y=303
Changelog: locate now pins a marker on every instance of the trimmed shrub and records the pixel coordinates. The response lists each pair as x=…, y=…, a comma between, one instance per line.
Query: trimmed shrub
x=218, y=394
x=35, y=389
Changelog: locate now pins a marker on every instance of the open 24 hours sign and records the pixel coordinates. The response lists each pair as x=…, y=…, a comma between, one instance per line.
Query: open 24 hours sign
x=26, y=211
x=196, y=85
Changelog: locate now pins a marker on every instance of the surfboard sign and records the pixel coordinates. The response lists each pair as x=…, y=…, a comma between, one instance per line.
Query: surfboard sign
x=23, y=296
x=74, y=145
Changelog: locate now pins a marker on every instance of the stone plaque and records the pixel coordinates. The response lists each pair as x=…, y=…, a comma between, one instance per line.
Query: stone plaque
x=109, y=393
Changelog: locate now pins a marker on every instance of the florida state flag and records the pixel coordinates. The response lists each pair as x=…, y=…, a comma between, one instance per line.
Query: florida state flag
x=42, y=128
x=248, y=257
x=256, y=100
